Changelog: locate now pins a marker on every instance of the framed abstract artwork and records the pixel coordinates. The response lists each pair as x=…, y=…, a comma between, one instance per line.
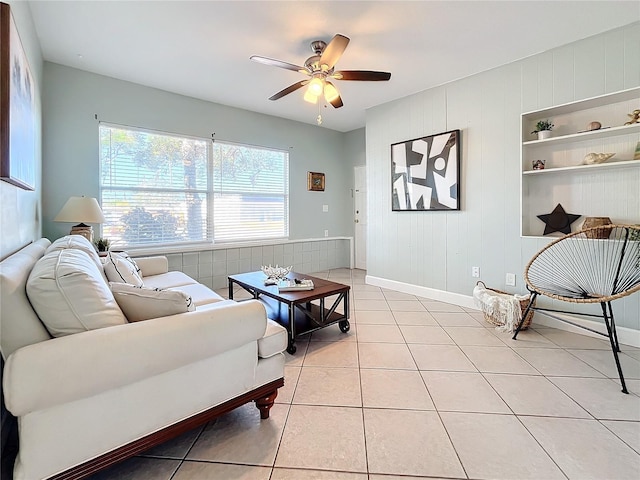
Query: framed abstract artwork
x=17, y=108
x=425, y=173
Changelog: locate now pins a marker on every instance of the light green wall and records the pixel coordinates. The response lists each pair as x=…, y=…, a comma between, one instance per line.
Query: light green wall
x=73, y=97
x=20, y=218
x=354, y=146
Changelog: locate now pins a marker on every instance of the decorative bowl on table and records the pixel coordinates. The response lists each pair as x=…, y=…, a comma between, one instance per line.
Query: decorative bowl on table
x=275, y=273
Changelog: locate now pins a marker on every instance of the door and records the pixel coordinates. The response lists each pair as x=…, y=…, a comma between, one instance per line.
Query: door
x=360, y=216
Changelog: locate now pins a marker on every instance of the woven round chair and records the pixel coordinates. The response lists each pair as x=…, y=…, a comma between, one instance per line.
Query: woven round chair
x=594, y=265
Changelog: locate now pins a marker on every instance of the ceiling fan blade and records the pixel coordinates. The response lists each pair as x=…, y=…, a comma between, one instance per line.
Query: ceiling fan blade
x=333, y=51
x=289, y=89
x=332, y=95
x=278, y=63
x=362, y=75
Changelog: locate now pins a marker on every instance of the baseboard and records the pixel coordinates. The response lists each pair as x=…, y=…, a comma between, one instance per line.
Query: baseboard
x=426, y=292
x=626, y=336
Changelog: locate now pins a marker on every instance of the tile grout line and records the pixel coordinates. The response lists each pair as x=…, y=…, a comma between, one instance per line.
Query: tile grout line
x=435, y=407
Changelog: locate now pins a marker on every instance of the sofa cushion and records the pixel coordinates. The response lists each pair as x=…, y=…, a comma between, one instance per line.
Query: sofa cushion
x=121, y=268
x=19, y=324
x=142, y=303
x=78, y=242
x=201, y=294
x=274, y=340
x=168, y=280
x=69, y=294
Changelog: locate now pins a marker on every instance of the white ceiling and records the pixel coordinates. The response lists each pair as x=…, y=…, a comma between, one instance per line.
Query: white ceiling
x=201, y=49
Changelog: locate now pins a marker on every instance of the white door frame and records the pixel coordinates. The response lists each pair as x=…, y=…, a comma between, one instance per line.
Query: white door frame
x=360, y=216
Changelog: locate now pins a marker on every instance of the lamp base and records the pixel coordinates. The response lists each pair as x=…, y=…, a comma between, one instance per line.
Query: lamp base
x=81, y=229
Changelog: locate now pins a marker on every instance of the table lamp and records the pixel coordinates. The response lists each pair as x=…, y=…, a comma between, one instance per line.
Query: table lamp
x=83, y=210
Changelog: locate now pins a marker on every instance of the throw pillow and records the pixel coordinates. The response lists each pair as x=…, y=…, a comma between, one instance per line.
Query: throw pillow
x=121, y=268
x=78, y=242
x=141, y=303
x=68, y=293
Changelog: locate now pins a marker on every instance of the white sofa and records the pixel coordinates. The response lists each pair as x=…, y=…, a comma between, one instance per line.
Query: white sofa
x=88, y=400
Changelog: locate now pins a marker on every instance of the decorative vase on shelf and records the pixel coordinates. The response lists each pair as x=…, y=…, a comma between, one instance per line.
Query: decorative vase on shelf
x=542, y=134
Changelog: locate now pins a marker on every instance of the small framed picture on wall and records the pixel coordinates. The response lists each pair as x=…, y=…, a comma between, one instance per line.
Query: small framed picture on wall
x=315, y=182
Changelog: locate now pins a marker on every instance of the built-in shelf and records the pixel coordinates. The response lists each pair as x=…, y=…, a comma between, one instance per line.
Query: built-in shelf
x=573, y=168
x=587, y=103
x=604, y=189
x=592, y=135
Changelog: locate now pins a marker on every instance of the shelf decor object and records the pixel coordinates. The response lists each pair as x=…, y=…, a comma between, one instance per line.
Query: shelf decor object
x=17, y=108
x=543, y=129
x=538, y=164
x=595, y=158
x=634, y=117
x=558, y=221
x=590, y=222
x=580, y=172
x=425, y=173
x=315, y=182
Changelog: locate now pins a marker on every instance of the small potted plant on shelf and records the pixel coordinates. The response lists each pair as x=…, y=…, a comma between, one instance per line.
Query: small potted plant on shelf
x=543, y=129
x=102, y=244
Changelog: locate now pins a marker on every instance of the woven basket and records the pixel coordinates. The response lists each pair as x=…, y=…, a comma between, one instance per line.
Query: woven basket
x=523, y=306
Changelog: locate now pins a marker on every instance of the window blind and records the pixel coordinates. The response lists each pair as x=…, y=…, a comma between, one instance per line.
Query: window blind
x=159, y=188
x=251, y=192
x=155, y=187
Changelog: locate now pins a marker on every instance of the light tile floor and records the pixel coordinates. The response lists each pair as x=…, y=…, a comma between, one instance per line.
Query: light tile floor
x=422, y=389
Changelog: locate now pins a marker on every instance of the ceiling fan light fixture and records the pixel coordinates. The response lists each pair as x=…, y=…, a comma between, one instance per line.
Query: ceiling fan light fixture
x=310, y=96
x=330, y=92
x=316, y=86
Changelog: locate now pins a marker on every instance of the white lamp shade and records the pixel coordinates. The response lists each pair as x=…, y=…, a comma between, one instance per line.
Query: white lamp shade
x=315, y=87
x=330, y=92
x=82, y=210
x=310, y=97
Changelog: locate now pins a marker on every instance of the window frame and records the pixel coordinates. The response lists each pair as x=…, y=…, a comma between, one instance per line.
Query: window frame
x=210, y=192
x=286, y=196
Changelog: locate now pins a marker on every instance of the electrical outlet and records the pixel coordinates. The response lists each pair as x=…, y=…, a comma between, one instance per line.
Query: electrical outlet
x=475, y=272
x=326, y=233
x=325, y=208
x=510, y=280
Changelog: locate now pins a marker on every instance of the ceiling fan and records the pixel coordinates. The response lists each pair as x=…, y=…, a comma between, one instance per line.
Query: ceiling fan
x=320, y=68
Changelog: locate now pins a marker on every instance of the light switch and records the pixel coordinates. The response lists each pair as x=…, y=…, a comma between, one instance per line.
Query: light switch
x=325, y=208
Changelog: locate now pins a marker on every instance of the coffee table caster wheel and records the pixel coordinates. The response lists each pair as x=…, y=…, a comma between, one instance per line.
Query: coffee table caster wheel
x=344, y=326
x=291, y=349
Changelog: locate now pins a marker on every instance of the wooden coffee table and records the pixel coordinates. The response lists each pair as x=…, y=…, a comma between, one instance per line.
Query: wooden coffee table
x=295, y=310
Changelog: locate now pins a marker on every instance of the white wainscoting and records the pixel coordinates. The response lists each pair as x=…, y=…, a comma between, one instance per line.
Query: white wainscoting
x=211, y=266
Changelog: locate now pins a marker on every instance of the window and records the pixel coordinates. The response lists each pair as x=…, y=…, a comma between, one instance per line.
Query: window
x=158, y=188
x=251, y=192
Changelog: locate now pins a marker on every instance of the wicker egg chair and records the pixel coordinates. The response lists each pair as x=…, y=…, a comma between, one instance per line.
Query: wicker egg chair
x=594, y=265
